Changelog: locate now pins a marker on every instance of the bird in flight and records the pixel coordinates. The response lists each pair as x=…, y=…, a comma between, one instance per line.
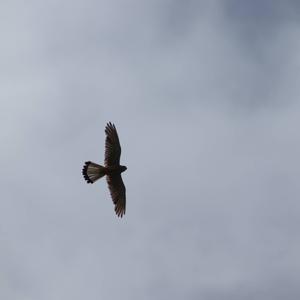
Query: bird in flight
x=112, y=169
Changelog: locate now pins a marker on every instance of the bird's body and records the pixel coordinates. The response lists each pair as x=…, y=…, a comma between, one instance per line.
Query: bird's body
x=111, y=169
x=114, y=170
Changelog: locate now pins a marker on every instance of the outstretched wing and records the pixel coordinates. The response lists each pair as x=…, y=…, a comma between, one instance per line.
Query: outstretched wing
x=118, y=193
x=112, y=146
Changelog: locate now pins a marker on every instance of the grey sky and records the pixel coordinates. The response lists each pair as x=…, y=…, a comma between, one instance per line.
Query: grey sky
x=205, y=96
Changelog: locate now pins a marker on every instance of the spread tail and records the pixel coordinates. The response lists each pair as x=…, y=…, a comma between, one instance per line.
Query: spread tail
x=92, y=172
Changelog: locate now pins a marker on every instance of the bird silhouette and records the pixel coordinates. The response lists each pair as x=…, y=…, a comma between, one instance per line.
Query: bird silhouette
x=111, y=169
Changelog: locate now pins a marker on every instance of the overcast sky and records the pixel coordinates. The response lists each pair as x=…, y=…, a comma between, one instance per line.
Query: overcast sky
x=205, y=97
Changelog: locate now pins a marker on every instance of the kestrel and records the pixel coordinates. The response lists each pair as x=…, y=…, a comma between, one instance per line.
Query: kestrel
x=112, y=169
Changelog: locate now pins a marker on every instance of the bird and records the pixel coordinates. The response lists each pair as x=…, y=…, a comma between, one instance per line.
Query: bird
x=111, y=169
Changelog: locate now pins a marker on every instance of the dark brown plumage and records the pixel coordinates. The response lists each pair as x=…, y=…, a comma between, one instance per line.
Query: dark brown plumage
x=112, y=169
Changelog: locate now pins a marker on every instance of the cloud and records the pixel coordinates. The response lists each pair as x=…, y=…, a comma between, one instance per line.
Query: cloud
x=205, y=100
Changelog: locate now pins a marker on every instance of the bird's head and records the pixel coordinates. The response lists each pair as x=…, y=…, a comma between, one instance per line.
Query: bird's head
x=123, y=168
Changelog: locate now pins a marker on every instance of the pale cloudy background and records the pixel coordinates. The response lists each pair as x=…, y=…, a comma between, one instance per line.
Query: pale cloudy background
x=205, y=95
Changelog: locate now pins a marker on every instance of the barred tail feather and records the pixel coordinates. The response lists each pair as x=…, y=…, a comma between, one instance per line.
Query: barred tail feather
x=92, y=172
